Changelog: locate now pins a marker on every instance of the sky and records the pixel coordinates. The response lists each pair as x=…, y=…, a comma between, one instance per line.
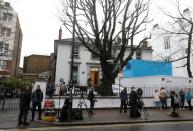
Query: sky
x=40, y=24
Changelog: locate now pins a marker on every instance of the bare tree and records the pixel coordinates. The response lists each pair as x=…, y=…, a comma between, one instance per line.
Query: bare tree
x=181, y=28
x=98, y=25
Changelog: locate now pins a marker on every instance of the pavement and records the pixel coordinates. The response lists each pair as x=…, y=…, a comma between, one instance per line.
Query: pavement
x=8, y=119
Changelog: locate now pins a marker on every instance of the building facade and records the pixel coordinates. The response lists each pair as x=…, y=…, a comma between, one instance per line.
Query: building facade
x=10, y=41
x=86, y=66
x=171, y=47
x=37, y=66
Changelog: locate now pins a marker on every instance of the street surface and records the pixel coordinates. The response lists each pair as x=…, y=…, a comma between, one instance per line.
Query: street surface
x=162, y=126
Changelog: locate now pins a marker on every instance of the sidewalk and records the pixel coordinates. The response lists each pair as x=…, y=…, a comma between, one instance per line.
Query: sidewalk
x=8, y=119
x=112, y=116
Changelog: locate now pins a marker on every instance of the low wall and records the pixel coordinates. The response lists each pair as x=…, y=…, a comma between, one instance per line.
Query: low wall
x=105, y=102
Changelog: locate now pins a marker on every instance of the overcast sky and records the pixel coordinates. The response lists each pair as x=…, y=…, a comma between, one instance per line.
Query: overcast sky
x=40, y=25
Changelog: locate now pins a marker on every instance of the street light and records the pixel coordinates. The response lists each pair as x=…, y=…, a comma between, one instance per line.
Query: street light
x=61, y=83
x=72, y=63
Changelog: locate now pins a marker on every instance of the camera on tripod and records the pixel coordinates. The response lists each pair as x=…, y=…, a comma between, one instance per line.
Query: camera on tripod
x=139, y=92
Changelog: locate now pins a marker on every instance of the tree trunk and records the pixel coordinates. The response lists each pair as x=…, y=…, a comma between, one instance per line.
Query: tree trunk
x=189, y=51
x=106, y=89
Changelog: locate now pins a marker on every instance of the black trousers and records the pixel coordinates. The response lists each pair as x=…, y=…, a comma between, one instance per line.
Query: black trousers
x=182, y=102
x=22, y=118
x=123, y=105
x=189, y=105
x=134, y=111
x=91, y=106
x=34, y=108
x=163, y=102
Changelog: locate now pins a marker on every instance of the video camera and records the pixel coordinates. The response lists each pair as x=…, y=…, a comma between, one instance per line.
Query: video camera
x=139, y=92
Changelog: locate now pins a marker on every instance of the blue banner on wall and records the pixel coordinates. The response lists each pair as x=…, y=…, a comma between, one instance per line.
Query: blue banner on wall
x=135, y=68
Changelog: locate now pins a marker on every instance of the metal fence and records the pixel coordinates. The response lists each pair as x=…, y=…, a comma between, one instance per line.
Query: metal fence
x=9, y=103
x=149, y=91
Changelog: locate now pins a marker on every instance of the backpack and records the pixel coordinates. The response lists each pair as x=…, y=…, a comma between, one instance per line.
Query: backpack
x=176, y=100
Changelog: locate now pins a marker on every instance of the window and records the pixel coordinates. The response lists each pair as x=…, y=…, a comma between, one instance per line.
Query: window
x=75, y=75
x=167, y=59
x=6, y=48
x=3, y=64
x=76, y=52
x=1, y=47
x=167, y=42
x=138, y=54
x=7, y=17
x=5, y=32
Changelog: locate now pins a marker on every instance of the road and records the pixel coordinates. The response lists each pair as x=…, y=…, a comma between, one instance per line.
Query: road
x=163, y=126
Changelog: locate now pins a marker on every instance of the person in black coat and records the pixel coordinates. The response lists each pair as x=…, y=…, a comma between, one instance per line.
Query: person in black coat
x=133, y=101
x=91, y=98
x=174, y=103
x=37, y=97
x=124, y=99
x=24, y=105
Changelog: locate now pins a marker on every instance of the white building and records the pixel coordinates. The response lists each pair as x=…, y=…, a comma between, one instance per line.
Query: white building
x=10, y=40
x=86, y=66
x=171, y=47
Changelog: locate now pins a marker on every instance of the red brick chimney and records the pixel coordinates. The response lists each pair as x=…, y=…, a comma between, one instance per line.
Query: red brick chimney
x=60, y=33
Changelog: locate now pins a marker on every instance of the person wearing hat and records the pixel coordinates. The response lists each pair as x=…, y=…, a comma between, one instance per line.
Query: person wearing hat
x=91, y=98
x=24, y=105
x=37, y=97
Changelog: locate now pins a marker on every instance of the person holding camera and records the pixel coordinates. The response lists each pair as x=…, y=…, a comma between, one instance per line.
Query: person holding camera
x=134, y=101
x=91, y=98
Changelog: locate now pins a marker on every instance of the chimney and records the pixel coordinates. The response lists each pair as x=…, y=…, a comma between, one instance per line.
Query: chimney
x=145, y=44
x=60, y=33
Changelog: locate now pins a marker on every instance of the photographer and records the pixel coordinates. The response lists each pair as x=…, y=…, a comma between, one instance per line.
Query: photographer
x=91, y=98
x=134, y=100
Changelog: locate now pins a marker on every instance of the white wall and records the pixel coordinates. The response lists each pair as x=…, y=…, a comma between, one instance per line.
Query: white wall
x=62, y=63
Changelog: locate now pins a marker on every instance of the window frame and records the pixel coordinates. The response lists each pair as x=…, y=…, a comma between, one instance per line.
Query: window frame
x=7, y=17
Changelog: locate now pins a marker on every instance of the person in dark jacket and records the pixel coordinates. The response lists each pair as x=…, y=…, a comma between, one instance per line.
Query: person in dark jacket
x=124, y=99
x=91, y=98
x=24, y=105
x=133, y=101
x=174, y=103
x=182, y=98
x=189, y=98
x=37, y=97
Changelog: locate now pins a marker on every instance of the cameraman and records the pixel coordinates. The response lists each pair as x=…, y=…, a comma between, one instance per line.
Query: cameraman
x=91, y=98
x=134, y=100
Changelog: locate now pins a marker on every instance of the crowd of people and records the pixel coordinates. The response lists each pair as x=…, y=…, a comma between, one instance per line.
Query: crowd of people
x=178, y=99
x=135, y=101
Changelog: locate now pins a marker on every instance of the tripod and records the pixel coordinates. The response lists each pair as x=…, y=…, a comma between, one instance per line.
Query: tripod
x=82, y=102
x=143, y=109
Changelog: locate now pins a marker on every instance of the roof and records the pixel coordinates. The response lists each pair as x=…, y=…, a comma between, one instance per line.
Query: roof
x=69, y=41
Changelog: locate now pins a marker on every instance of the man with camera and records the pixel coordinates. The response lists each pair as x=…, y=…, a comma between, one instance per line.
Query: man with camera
x=134, y=103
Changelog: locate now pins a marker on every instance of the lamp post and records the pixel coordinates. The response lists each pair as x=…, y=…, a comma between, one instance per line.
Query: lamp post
x=72, y=62
x=61, y=82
